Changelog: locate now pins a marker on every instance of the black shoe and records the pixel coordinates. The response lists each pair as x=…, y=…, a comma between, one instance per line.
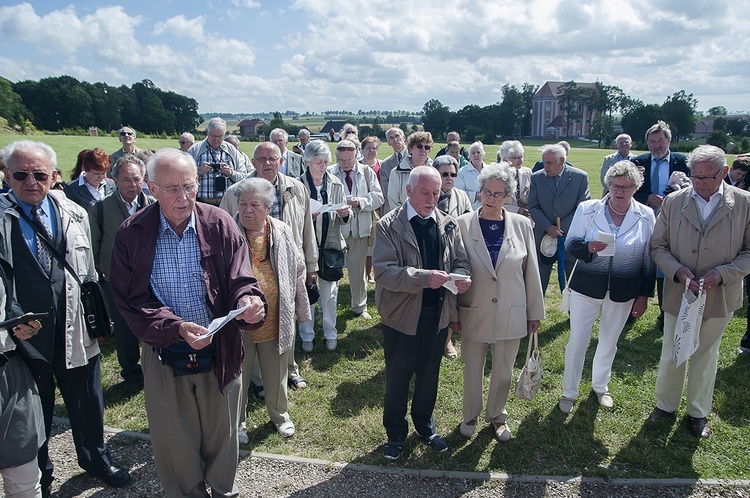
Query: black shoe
x=392, y=450
x=659, y=415
x=259, y=392
x=46, y=491
x=133, y=386
x=699, y=427
x=114, y=476
x=436, y=443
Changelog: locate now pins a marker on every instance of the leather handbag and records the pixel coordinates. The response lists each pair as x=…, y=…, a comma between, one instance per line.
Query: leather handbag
x=95, y=311
x=331, y=265
x=531, y=375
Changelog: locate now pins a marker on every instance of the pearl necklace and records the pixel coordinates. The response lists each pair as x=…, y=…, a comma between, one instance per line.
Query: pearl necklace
x=609, y=205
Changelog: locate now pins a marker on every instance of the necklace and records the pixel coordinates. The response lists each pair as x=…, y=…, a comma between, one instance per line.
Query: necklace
x=256, y=247
x=609, y=205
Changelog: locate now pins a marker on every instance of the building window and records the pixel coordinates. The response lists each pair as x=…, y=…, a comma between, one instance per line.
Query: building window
x=547, y=106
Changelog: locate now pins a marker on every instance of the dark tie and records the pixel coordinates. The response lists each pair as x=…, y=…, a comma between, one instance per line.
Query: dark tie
x=43, y=254
x=398, y=154
x=655, y=175
x=349, y=183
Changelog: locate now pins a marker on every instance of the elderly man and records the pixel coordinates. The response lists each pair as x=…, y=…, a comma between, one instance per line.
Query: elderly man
x=539, y=165
x=219, y=163
x=32, y=213
x=397, y=140
x=623, y=143
x=702, y=234
x=364, y=196
x=127, y=138
x=555, y=192
x=453, y=136
x=105, y=218
x=179, y=265
x=235, y=141
x=304, y=139
x=416, y=247
x=292, y=206
x=291, y=162
x=186, y=141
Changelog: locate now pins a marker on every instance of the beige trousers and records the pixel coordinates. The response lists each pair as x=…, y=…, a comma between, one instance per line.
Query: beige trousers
x=355, y=265
x=273, y=368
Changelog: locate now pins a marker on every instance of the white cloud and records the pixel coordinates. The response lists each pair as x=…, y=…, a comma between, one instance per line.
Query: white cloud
x=182, y=27
x=250, y=4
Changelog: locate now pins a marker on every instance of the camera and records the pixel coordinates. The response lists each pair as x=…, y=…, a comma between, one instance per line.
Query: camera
x=215, y=166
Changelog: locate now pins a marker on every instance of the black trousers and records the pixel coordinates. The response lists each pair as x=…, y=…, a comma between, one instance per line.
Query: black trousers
x=415, y=356
x=126, y=343
x=82, y=393
x=745, y=342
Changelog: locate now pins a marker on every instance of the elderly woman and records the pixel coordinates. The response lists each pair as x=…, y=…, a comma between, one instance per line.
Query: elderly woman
x=418, y=145
x=599, y=285
x=90, y=182
x=325, y=188
x=468, y=176
x=281, y=274
x=453, y=149
x=370, y=146
x=505, y=301
x=453, y=202
x=511, y=151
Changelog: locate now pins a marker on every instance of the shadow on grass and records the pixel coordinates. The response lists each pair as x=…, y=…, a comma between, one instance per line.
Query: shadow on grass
x=731, y=396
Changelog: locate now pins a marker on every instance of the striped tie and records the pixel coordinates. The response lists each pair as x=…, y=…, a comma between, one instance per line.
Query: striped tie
x=43, y=254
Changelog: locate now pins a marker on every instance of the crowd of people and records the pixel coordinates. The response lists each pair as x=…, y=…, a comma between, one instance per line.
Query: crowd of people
x=453, y=244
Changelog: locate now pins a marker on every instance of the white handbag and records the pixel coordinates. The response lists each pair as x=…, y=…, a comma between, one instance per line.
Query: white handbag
x=531, y=374
x=688, y=327
x=565, y=298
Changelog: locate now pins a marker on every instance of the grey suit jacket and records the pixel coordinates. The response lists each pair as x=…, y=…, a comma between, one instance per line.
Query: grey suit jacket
x=386, y=165
x=607, y=163
x=294, y=166
x=546, y=203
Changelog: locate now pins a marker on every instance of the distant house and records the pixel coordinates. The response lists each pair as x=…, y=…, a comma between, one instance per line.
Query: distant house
x=704, y=126
x=548, y=118
x=335, y=125
x=249, y=127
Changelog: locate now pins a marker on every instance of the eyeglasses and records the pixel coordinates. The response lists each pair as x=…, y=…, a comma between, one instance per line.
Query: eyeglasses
x=426, y=147
x=620, y=188
x=516, y=158
x=123, y=133
x=38, y=176
x=345, y=148
x=494, y=195
x=699, y=178
x=446, y=174
x=183, y=142
x=190, y=189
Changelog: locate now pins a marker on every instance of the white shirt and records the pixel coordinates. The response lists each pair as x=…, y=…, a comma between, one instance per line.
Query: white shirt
x=132, y=206
x=411, y=212
x=97, y=193
x=706, y=207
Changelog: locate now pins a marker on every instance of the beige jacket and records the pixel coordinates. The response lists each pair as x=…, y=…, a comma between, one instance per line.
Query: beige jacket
x=366, y=189
x=504, y=297
x=722, y=242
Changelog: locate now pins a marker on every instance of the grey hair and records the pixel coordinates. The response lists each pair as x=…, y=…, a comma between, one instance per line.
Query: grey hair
x=707, y=154
x=499, y=171
x=507, y=149
x=477, y=145
x=216, y=124
x=557, y=150
x=29, y=147
x=624, y=169
x=397, y=130
x=304, y=132
x=189, y=136
x=316, y=149
x=623, y=135
x=267, y=144
x=660, y=126
x=129, y=128
x=445, y=160
x=169, y=156
x=128, y=159
x=276, y=131
x=256, y=185
x=420, y=172
x=349, y=128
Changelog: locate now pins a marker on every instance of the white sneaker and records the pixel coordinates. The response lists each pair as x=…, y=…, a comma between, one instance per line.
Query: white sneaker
x=286, y=429
x=605, y=399
x=307, y=346
x=242, y=436
x=365, y=315
x=331, y=344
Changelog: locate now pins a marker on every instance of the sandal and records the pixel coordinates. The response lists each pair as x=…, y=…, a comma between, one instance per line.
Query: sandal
x=297, y=382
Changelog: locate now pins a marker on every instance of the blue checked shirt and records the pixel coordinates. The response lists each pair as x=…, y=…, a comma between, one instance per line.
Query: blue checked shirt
x=177, y=276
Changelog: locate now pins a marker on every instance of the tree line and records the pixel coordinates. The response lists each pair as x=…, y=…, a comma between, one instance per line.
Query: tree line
x=65, y=103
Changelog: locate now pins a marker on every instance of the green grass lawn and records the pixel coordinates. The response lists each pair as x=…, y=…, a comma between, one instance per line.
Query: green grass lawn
x=339, y=417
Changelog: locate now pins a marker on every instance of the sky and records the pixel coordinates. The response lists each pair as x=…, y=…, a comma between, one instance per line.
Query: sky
x=246, y=56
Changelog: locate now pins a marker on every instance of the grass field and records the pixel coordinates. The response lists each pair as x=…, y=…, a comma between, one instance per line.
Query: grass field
x=339, y=416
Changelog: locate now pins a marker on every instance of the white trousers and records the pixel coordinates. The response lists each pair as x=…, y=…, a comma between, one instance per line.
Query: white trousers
x=355, y=265
x=583, y=313
x=22, y=481
x=328, y=302
x=702, y=375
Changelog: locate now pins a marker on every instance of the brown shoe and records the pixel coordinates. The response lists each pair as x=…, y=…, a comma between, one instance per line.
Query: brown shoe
x=699, y=427
x=659, y=415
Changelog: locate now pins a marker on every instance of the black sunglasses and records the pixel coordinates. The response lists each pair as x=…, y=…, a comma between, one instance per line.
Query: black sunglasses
x=446, y=174
x=123, y=133
x=22, y=175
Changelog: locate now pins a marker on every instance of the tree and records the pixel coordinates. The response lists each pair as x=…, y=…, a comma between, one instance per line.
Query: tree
x=720, y=123
x=435, y=118
x=510, y=112
x=736, y=127
x=603, y=129
x=528, y=91
x=679, y=111
x=638, y=120
x=613, y=99
x=11, y=105
x=718, y=110
x=568, y=96
x=718, y=138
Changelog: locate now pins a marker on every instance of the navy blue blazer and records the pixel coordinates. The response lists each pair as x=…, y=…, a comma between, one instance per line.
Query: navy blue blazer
x=677, y=162
x=80, y=193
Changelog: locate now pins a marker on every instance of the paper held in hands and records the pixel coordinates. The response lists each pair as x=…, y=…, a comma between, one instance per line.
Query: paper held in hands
x=451, y=284
x=318, y=207
x=609, y=239
x=218, y=323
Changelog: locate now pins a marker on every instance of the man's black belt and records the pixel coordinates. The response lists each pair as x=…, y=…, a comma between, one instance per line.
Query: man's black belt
x=5, y=357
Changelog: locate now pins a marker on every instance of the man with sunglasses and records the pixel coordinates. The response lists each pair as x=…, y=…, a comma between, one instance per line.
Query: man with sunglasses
x=176, y=266
x=127, y=138
x=32, y=213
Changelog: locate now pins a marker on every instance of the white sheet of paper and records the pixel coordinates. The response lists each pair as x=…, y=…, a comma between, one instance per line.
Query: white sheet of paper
x=218, y=323
x=451, y=284
x=609, y=239
x=318, y=207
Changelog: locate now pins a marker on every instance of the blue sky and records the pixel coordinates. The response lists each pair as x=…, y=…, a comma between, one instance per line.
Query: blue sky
x=316, y=55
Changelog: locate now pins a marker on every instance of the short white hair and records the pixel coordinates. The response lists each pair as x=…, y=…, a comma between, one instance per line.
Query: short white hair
x=416, y=175
x=28, y=147
x=216, y=124
x=169, y=156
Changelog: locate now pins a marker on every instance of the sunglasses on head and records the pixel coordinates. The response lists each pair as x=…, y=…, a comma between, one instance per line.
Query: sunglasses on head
x=447, y=174
x=423, y=146
x=22, y=175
